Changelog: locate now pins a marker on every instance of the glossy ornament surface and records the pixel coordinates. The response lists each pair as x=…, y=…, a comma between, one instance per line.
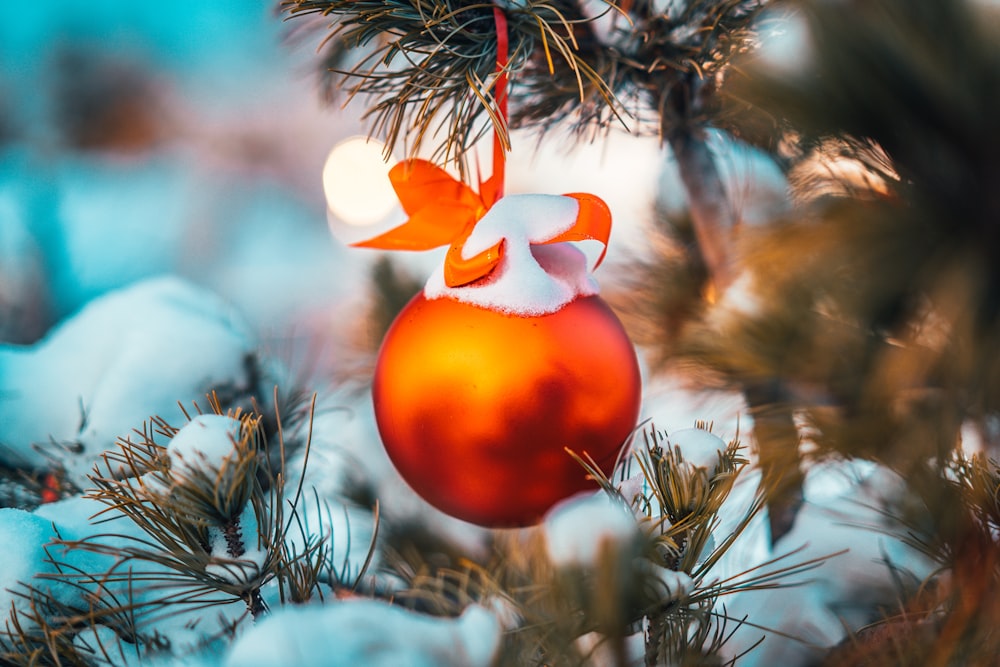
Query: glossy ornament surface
x=476, y=407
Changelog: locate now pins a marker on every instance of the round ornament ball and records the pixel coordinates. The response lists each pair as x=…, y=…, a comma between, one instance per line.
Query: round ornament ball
x=477, y=407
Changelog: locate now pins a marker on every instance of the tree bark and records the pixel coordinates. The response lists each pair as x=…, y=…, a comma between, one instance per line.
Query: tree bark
x=778, y=454
x=711, y=213
x=713, y=218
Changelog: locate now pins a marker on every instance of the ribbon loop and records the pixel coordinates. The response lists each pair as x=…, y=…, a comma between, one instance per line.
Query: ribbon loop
x=459, y=271
x=443, y=211
x=593, y=223
x=440, y=208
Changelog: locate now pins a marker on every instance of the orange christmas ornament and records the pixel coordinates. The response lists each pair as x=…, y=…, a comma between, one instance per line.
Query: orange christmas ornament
x=483, y=383
x=476, y=407
x=508, y=357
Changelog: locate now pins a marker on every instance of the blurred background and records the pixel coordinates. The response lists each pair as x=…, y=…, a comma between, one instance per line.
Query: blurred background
x=146, y=138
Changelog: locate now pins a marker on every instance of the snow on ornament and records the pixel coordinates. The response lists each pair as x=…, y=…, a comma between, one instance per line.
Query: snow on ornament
x=507, y=358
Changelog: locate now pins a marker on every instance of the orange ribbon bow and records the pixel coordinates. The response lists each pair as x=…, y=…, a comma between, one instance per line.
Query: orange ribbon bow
x=444, y=211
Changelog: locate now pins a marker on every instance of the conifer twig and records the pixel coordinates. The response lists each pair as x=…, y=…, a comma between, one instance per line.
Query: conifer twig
x=428, y=66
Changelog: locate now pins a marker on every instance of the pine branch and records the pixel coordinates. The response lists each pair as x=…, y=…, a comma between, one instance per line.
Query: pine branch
x=209, y=534
x=429, y=66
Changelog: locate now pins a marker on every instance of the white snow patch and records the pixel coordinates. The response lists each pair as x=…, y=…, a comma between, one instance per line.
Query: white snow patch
x=673, y=584
x=248, y=565
x=26, y=538
x=756, y=187
x=367, y=632
x=577, y=529
x=529, y=280
x=634, y=487
x=699, y=448
x=125, y=357
x=844, y=504
x=206, y=441
x=348, y=529
x=672, y=402
x=186, y=628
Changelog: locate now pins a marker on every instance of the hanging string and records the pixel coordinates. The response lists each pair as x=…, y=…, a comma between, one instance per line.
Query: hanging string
x=493, y=188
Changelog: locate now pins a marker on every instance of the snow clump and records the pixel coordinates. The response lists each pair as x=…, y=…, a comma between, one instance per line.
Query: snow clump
x=127, y=356
x=368, y=632
x=207, y=441
x=577, y=529
x=699, y=448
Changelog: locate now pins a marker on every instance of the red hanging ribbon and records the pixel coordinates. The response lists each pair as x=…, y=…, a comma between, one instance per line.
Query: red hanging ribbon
x=493, y=188
x=444, y=211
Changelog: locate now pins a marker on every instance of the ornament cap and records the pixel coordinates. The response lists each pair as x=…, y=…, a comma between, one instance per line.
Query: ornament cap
x=495, y=257
x=536, y=271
